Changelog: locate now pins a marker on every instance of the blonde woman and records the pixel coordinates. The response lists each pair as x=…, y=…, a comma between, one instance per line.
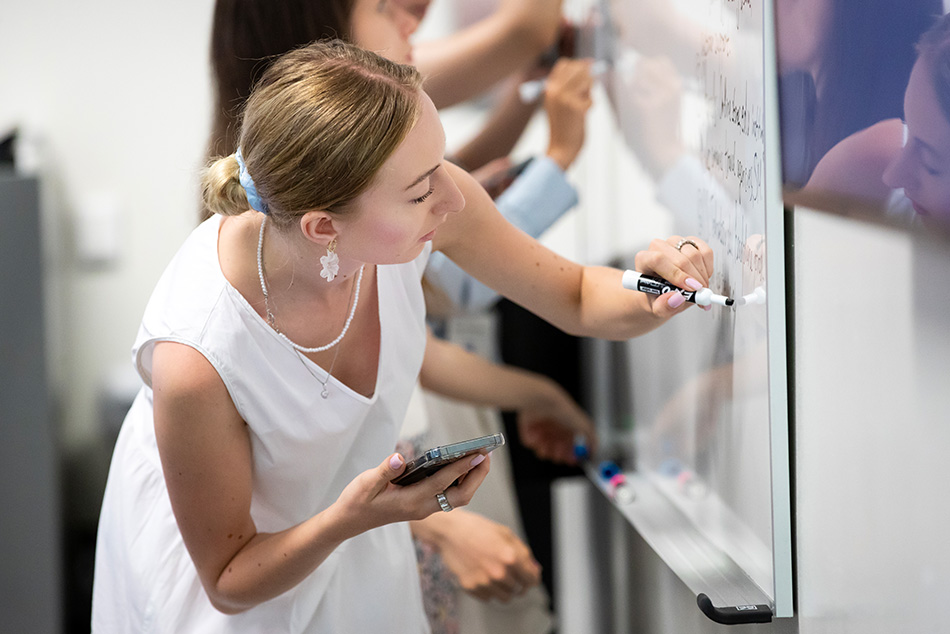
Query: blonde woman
x=250, y=489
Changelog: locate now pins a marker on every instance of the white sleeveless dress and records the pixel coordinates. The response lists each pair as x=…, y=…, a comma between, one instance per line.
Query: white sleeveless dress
x=306, y=449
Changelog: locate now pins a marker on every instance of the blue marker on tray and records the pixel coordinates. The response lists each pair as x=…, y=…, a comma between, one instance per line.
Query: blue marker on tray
x=608, y=469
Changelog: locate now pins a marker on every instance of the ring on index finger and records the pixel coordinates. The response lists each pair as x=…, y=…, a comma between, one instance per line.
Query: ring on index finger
x=682, y=243
x=443, y=502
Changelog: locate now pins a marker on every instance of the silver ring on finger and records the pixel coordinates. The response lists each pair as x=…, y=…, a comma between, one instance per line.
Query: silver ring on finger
x=443, y=502
x=682, y=243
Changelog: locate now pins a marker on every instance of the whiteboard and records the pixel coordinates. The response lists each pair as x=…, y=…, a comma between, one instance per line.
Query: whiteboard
x=699, y=408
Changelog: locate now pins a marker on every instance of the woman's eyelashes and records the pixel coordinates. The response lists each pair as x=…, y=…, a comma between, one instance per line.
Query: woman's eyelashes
x=423, y=197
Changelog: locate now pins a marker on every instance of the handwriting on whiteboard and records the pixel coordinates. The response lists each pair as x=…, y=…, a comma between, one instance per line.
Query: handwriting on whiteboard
x=731, y=143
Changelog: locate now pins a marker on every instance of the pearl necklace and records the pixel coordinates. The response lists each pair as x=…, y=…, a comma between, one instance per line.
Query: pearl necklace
x=270, y=315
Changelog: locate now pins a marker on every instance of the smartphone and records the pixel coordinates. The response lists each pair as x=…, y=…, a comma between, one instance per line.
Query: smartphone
x=434, y=459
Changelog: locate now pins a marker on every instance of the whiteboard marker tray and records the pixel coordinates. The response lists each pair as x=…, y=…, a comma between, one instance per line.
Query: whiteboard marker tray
x=702, y=565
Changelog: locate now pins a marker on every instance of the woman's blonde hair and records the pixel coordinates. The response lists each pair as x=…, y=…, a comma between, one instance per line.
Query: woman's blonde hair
x=317, y=127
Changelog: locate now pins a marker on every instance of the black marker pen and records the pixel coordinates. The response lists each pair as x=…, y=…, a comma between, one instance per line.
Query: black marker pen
x=656, y=286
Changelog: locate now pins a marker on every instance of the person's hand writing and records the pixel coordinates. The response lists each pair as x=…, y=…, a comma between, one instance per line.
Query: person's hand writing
x=566, y=102
x=688, y=267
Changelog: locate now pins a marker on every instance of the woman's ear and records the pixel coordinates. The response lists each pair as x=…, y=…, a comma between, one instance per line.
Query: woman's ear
x=318, y=226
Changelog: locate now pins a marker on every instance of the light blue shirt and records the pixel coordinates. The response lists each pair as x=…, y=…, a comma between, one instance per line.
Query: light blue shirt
x=533, y=202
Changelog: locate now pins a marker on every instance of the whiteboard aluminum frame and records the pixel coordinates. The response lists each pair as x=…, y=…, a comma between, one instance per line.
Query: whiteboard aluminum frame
x=782, y=538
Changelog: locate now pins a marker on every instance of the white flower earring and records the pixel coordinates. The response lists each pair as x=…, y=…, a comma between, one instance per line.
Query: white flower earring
x=330, y=262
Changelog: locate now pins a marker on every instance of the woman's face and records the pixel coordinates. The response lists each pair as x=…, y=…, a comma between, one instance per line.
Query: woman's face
x=922, y=168
x=384, y=27
x=408, y=199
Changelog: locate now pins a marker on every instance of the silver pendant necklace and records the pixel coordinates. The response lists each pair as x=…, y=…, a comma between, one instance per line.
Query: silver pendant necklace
x=325, y=393
x=298, y=349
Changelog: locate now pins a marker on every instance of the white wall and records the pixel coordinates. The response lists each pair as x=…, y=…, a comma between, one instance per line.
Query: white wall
x=872, y=364
x=115, y=97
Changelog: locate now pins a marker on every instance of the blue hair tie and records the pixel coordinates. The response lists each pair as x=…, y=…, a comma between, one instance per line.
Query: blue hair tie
x=253, y=198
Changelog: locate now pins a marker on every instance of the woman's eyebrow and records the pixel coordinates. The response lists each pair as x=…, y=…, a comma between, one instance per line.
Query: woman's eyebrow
x=423, y=177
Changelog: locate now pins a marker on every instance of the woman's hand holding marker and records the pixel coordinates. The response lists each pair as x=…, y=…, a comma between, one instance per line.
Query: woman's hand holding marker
x=686, y=263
